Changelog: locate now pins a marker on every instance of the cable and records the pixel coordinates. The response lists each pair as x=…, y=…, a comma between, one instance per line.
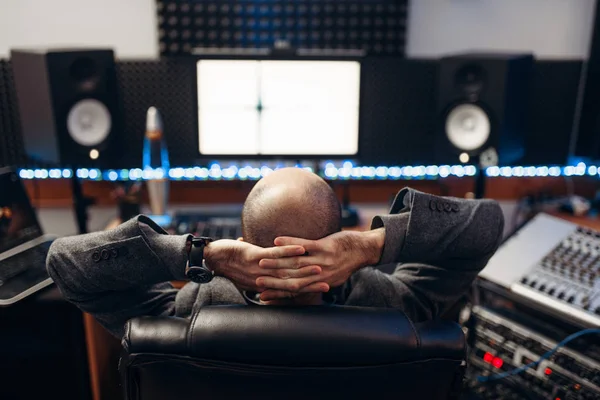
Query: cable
x=539, y=360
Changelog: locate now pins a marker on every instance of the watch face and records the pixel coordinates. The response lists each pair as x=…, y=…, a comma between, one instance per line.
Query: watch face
x=202, y=240
x=199, y=274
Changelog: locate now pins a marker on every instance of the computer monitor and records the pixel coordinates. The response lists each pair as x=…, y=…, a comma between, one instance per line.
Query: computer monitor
x=278, y=107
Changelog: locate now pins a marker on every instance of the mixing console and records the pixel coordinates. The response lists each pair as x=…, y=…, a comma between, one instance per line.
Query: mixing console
x=569, y=275
x=555, y=264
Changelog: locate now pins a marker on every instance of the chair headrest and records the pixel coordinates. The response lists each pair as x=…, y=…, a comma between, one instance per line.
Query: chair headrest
x=314, y=336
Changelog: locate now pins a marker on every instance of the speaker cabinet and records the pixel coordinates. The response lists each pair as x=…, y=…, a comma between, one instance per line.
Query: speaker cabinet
x=482, y=104
x=69, y=106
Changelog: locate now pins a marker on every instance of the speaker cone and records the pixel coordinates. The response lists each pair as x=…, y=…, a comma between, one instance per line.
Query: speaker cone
x=89, y=122
x=467, y=127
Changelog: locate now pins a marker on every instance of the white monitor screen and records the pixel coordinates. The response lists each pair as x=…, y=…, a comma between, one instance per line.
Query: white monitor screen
x=278, y=107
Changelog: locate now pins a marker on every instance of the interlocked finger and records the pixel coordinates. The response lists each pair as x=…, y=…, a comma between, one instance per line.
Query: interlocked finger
x=292, y=273
x=287, y=262
x=291, y=285
x=281, y=252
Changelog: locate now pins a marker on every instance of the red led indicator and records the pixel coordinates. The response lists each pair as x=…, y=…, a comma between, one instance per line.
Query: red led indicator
x=488, y=358
x=558, y=398
x=548, y=371
x=497, y=362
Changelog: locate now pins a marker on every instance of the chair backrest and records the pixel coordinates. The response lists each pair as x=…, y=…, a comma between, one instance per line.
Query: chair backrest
x=317, y=352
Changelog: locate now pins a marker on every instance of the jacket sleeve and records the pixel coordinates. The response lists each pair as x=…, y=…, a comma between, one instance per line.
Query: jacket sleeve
x=438, y=246
x=119, y=274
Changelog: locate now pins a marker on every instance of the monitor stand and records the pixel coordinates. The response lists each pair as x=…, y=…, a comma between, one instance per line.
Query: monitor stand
x=350, y=217
x=80, y=202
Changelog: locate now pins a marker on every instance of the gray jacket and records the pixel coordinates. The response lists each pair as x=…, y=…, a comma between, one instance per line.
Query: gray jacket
x=435, y=247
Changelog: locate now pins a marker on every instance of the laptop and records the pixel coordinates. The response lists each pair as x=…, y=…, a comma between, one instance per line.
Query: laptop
x=23, y=245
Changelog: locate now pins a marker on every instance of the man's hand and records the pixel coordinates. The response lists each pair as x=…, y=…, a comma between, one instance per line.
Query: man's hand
x=238, y=261
x=339, y=255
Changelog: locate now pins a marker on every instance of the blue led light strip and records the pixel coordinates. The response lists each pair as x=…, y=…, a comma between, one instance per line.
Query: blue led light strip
x=346, y=171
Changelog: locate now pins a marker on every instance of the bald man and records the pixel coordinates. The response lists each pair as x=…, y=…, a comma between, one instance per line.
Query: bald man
x=293, y=252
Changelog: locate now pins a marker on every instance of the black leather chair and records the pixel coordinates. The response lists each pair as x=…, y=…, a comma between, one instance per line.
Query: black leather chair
x=327, y=352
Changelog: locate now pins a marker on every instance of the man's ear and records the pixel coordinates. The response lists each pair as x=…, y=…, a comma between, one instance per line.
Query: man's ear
x=241, y=239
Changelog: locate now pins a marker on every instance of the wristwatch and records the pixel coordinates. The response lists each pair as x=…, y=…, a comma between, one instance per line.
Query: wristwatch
x=196, y=269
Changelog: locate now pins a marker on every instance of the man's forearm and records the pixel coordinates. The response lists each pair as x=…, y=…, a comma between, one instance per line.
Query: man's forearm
x=374, y=241
x=437, y=245
x=433, y=230
x=119, y=274
x=131, y=256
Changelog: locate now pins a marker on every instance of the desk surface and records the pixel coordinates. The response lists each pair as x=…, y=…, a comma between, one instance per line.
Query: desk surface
x=588, y=221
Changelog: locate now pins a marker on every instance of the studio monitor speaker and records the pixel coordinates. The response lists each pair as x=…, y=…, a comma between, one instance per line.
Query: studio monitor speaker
x=482, y=104
x=69, y=106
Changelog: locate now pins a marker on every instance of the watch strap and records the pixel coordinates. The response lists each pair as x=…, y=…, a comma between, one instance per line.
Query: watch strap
x=196, y=269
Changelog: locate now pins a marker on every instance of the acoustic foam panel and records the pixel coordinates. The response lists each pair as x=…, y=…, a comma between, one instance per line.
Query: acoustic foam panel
x=376, y=26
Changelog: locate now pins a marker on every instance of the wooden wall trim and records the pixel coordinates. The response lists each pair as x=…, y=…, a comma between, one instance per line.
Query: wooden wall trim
x=57, y=193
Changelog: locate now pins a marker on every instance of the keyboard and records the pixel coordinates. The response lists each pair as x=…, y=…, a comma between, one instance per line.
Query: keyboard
x=217, y=225
x=21, y=262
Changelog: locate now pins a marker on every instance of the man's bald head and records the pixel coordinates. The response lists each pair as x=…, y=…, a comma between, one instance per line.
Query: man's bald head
x=290, y=202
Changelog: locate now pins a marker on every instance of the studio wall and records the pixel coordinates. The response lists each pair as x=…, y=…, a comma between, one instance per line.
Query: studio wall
x=548, y=28
x=127, y=26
